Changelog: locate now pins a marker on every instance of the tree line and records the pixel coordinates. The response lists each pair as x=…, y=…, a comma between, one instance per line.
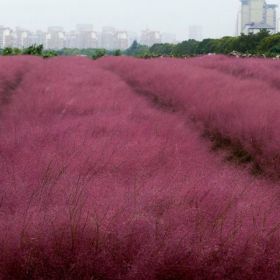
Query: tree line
x=261, y=43
x=38, y=50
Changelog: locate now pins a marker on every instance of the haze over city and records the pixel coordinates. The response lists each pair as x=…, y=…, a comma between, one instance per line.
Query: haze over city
x=218, y=18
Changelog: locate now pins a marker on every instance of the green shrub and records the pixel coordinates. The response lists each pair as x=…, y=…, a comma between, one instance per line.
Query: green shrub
x=49, y=53
x=34, y=50
x=8, y=51
x=98, y=53
x=117, y=53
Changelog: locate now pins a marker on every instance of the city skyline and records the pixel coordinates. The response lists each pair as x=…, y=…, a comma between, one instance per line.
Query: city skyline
x=217, y=18
x=251, y=15
x=256, y=15
x=84, y=36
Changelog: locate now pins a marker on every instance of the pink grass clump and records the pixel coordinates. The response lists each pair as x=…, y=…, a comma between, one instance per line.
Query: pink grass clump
x=105, y=175
x=243, y=111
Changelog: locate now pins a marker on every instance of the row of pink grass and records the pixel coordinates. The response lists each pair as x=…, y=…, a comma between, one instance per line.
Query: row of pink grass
x=98, y=183
x=242, y=109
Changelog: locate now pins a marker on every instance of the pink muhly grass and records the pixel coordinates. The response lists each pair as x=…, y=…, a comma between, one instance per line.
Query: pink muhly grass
x=99, y=182
x=244, y=111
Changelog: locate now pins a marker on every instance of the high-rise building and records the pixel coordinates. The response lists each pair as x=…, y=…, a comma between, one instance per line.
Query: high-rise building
x=150, y=37
x=132, y=36
x=55, y=38
x=195, y=32
x=108, y=38
x=1, y=36
x=257, y=15
x=38, y=38
x=21, y=38
x=121, y=40
x=271, y=15
x=99, y=39
x=6, y=37
x=86, y=37
x=169, y=38
x=83, y=37
x=71, y=39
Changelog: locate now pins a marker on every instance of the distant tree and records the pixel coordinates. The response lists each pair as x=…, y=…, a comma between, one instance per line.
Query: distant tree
x=98, y=53
x=90, y=52
x=17, y=51
x=8, y=51
x=260, y=43
x=250, y=43
x=207, y=46
x=186, y=48
x=244, y=44
x=146, y=55
x=275, y=50
x=133, y=48
x=225, y=45
x=49, y=53
x=137, y=49
x=117, y=53
x=270, y=44
x=34, y=50
x=68, y=51
x=162, y=49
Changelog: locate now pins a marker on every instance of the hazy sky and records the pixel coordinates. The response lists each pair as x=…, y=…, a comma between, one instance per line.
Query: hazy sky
x=218, y=17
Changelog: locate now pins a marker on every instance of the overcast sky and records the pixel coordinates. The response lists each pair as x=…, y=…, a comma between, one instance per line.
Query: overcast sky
x=217, y=17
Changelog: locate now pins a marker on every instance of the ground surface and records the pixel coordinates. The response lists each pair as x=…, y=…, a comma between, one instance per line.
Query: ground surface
x=124, y=168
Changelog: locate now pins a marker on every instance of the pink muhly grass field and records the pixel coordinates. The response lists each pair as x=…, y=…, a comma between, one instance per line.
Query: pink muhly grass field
x=139, y=169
